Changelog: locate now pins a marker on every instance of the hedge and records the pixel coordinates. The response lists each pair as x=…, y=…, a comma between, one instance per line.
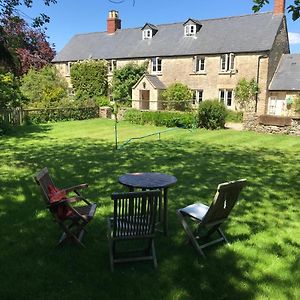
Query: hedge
x=161, y=118
x=36, y=116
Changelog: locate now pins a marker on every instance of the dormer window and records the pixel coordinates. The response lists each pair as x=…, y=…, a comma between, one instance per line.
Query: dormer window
x=149, y=31
x=147, y=34
x=191, y=27
x=190, y=30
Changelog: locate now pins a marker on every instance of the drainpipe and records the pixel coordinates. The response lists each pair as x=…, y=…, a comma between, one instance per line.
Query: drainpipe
x=257, y=78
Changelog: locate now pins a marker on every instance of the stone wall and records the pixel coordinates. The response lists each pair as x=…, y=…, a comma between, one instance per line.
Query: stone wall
x=253, y=122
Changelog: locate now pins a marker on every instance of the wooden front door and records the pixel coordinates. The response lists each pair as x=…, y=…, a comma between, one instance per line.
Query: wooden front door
x=144, y=99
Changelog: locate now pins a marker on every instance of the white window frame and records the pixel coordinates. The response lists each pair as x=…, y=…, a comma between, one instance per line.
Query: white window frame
x=147, y=34
x=190, y=30
x=200, y=64
x=197, y=97
x=112, y=65
x=68, y=72
x=227, y=63
x=228, y=95
x=156, y=65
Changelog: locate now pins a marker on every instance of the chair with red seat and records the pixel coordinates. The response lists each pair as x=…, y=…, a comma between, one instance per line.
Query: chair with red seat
x=71, y=219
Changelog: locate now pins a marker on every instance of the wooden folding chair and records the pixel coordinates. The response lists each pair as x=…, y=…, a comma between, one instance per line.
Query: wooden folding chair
x=133, y=226
x=71, y=219
x=210, y=218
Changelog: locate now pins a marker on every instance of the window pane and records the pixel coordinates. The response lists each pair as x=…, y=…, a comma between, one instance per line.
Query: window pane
x=229, y=98
x=202, y=64
x=223, y=62
x=200, y=95
x=222, y=95
x=153, y=64
x=158, y=65
x=231, y=61
x=194, y=97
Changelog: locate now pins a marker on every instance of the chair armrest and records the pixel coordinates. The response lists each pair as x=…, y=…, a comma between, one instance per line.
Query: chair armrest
x=76, y=187
x=66, y=200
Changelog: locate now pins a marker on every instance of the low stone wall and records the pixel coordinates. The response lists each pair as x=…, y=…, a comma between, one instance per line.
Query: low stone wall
x=274, y=125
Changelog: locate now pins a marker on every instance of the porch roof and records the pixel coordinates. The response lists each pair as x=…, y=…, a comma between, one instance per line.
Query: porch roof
x=287, y=75
x=153, y=80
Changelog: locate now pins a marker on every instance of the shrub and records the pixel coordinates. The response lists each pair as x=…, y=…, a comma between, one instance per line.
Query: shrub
x=211, y=114
x=234, y=116
x=245, y=93
x=61, y=114
x=177, y=97
x=102, y=101
x=10, y=95
x=125, y=78
x=44, y=88
x=161, y=118
x=89, y=79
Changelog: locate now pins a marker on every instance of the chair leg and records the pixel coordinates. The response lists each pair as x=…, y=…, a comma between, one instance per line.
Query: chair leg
x=222, y=235
x=111, y=254
x=154, y=254
x=190, y=234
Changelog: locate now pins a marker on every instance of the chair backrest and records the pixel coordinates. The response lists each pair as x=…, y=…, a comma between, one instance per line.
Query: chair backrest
x=44, y=180
x=225, y=198
x=135, y=213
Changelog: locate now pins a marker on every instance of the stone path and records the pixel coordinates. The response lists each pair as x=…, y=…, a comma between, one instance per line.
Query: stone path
x=234, y=126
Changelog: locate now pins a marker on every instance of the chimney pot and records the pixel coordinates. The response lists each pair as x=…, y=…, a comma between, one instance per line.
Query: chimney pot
x=113, y=21
x=279, y=7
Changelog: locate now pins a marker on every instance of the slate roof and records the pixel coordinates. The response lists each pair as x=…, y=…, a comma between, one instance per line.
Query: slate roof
x=154, y=81
x=249, y=33
x=287, y=75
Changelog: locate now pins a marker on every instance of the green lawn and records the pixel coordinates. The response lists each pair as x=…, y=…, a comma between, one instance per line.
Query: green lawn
x=262, y=262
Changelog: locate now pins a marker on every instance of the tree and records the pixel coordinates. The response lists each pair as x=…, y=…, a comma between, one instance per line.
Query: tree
x=245, y=93
x=10, y=95
x=178, y=97
x=125, y=78
x=44, y=88
x=21, y=45
x=293, y=8
x=9, y=8
x=27, y=46
x=89, y=79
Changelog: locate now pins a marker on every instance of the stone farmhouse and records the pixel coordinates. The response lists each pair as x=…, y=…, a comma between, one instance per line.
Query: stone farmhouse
x=210, y=56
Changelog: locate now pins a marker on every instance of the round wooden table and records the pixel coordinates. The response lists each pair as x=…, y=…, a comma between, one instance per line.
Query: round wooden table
x=150, y=181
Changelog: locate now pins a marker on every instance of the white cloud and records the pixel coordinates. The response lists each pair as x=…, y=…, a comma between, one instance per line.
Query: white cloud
x=294, y=38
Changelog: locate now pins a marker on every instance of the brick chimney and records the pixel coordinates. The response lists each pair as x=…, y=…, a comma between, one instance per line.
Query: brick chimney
x=279, y=7
x=113, y=21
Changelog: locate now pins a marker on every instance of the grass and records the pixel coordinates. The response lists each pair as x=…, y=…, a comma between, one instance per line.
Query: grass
x=262, y=262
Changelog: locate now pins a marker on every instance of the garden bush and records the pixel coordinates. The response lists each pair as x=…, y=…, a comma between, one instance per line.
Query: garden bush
x=234, y=116
x=211, y=114
x=161, y=118
x=43, y=88
x=89, y=79
x=177, y=97
x=61, y=114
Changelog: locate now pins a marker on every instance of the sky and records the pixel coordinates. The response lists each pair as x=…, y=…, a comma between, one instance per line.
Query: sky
x=70, y=17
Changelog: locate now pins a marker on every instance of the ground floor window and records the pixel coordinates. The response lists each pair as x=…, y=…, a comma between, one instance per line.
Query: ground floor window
x=226, y=96
x=197, y=97
x=276, y=106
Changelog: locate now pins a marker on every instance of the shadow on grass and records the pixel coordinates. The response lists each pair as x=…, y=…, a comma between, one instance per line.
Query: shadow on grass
x=28, y=234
